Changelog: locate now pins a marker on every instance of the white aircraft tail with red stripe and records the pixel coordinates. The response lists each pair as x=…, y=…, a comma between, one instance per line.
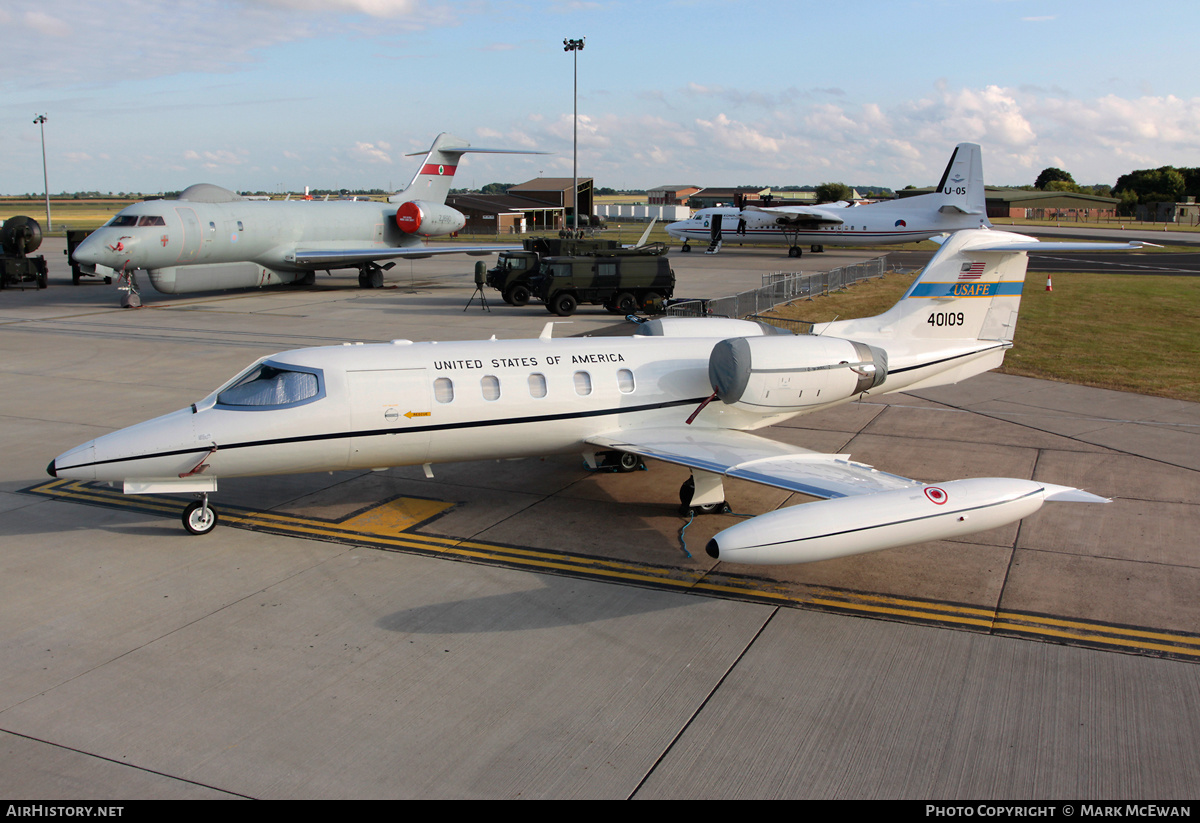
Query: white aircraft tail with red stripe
x=432, y=181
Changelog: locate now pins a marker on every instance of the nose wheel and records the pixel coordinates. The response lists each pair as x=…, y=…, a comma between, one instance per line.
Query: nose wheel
x=199, y=517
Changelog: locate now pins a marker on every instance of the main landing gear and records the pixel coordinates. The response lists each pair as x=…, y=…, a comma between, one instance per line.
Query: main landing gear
x=370, y=275
x=198, y=517
x=710, y=499
x=615, y=461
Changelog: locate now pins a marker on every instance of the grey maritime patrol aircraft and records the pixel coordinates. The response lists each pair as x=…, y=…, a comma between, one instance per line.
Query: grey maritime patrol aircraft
x=211, y=238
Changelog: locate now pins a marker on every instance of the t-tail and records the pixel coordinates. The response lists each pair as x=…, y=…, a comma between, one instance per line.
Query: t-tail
x=959, y=201
x=432, y=181
x=960, y=315
x=960, y=191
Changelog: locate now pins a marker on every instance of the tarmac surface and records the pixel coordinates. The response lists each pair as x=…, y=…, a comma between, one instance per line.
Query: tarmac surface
x=531, y=629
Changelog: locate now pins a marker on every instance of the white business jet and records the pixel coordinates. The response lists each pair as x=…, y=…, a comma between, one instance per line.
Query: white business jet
x=211, y=238
x=685, y=391
x=956, y=204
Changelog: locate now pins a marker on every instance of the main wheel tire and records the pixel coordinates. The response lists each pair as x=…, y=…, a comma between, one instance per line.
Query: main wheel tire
x=517, y=295
x=564, y=304
x=686, y=509
x=199, y=519
x=625, y=303
x=794, y=251
x=627, y=462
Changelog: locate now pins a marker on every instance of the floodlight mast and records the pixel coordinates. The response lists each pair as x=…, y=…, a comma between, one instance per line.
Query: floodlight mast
x=574, y=46
x=40, y=121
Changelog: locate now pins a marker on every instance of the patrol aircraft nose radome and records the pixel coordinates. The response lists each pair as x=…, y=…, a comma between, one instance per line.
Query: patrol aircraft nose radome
x=106, y=247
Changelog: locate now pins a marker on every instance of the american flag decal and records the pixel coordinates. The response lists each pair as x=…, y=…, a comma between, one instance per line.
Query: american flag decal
x=971, y=271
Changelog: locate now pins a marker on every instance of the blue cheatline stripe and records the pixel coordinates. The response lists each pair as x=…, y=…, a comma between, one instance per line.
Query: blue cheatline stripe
x=966, y=289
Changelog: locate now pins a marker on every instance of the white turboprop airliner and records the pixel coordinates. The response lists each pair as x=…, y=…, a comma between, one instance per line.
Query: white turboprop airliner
x=403, y=403
x=211, y=238
x=958, y=203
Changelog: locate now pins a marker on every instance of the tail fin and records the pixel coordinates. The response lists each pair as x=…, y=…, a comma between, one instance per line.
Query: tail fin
x=969, y=290
x=960, y=191
x=432, y=181
x=960, y=314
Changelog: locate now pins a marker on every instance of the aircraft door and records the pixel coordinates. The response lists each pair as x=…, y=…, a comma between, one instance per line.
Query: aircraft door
x=714, y=231
x=191, y=235
x=389, y=413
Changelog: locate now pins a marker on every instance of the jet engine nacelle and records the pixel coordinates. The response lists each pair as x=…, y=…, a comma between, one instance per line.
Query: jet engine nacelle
x=428, y=219
x=883, y=520
x=769, y=375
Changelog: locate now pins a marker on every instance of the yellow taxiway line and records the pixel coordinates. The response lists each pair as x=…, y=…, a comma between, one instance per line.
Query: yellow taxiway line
x=389, y=526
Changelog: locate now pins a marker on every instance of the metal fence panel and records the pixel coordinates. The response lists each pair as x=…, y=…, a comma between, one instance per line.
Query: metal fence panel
x=780, y=287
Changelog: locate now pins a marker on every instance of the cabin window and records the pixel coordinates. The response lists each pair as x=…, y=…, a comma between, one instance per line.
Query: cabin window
x=625, y=381
x=606, y=269
x=212, y=228
x=272, y=386
x=583, y=383
x=537, y=385
x=240, y=226
x=151, y=220
x=491, y=387
x=443, y=390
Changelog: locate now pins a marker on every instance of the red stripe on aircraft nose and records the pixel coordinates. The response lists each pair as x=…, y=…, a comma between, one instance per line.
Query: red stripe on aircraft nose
x=438, y=170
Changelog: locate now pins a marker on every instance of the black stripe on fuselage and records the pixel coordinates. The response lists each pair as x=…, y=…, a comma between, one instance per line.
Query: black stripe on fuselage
x=467, y=424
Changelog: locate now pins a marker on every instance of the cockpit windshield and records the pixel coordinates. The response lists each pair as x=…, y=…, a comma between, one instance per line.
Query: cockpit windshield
x=123, y=220
x=271, y=386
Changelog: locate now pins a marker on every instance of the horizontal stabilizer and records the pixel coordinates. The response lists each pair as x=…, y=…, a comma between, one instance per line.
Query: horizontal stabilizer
x=953, y=209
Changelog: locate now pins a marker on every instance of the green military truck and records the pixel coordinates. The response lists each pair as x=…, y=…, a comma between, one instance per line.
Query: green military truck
x=623, y=281
x=515, y=270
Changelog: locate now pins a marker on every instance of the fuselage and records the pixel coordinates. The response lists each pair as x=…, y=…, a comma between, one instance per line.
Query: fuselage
x=160, y=235
x=870, y=224
x=403, y=403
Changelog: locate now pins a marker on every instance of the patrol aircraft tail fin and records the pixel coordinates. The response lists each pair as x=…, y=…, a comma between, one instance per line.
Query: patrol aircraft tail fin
x=432, y=181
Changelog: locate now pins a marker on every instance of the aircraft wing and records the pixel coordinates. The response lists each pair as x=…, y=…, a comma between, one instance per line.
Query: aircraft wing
x=322, y=258
x=801, y=214
x=747, y=456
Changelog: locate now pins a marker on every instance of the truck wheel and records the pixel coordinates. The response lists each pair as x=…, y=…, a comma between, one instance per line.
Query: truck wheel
x=517, y=295
x=625, y=303
x=564, y=304
x=652, y=302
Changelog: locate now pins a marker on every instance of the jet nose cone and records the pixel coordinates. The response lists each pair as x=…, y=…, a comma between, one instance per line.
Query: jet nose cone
x=108, y=248
x=86, y=252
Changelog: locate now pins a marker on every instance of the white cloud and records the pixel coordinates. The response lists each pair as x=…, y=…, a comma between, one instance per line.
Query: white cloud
x=376, y=153
x=45, y=24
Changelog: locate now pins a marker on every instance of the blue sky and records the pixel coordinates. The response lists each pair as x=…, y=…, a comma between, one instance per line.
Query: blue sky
x=279, y=94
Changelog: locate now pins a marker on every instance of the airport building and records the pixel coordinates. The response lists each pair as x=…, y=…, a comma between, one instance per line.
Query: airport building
x=541, y=204
x=1027, y=204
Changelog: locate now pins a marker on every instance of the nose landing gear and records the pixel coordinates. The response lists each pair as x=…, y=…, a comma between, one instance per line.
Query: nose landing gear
x=198, y=517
